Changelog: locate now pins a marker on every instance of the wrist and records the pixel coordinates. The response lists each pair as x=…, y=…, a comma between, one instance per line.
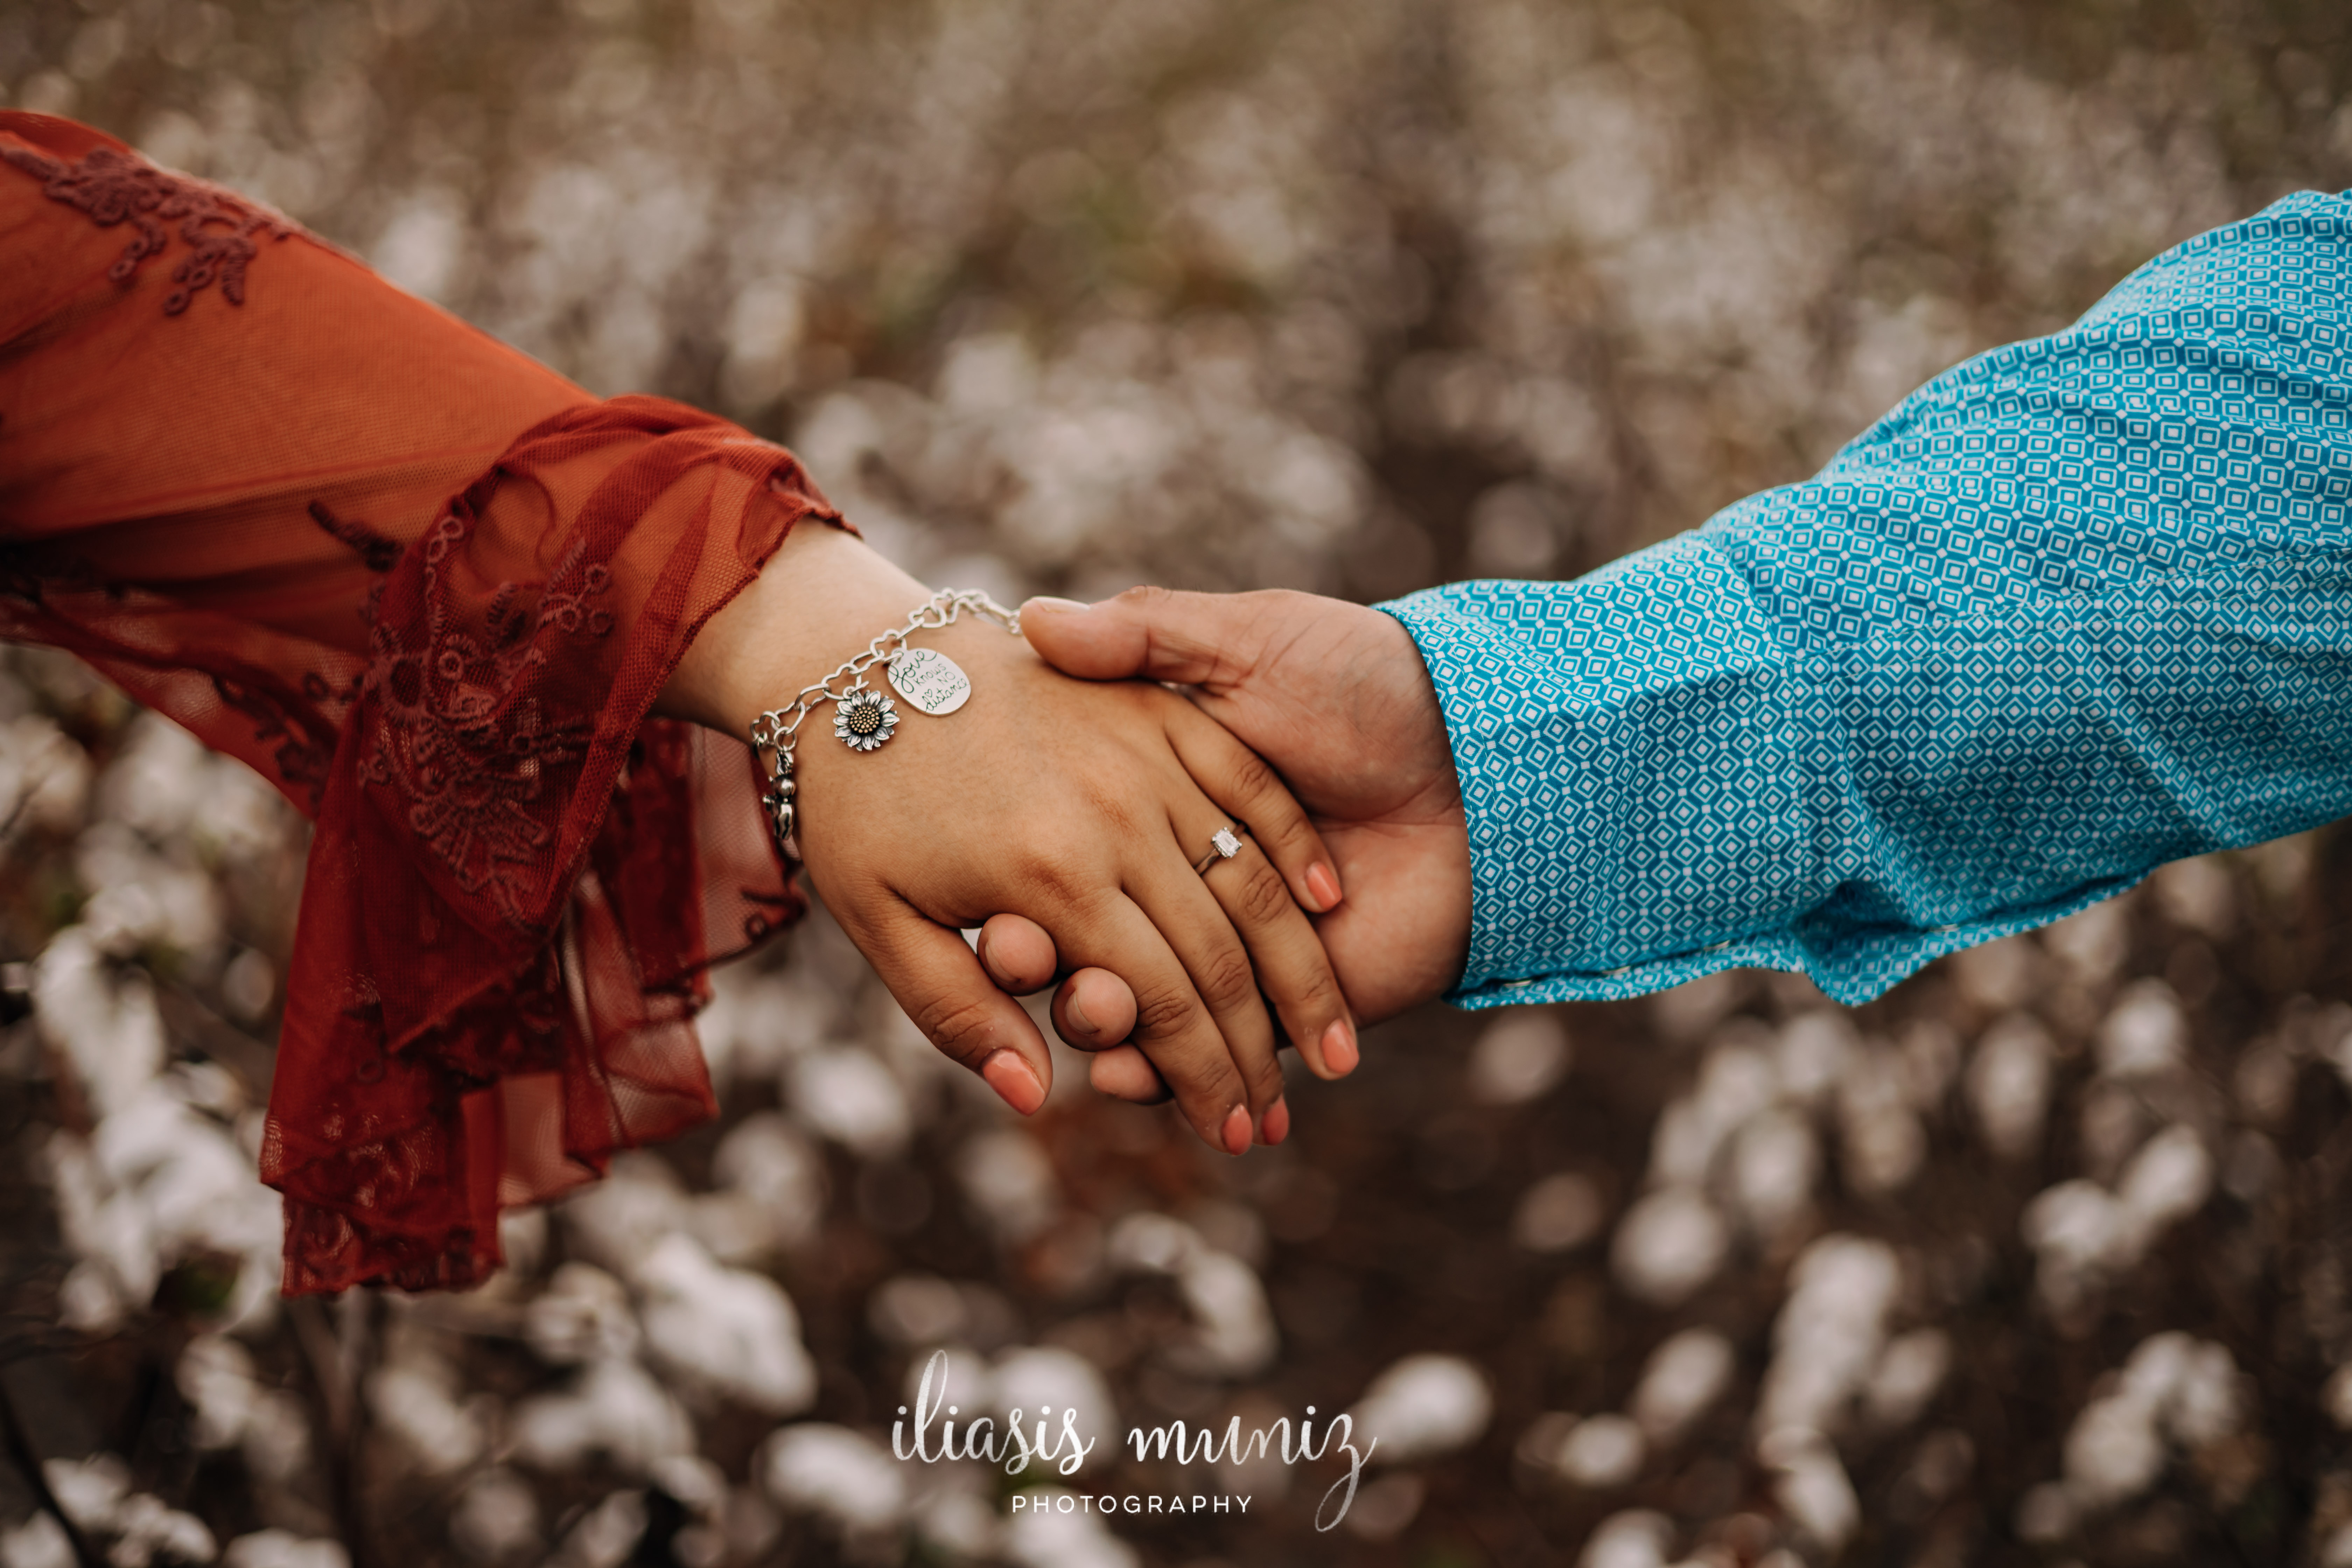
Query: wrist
x=821, y=597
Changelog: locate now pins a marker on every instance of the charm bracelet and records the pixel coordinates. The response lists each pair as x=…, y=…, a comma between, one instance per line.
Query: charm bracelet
x=863, y=718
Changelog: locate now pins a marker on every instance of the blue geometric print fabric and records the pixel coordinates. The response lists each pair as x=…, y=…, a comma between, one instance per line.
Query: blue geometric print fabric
x=2077, y=607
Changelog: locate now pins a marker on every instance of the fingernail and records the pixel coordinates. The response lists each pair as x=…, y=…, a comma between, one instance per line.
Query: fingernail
x=1276, y=1127
x=1015, y=1084
x=1238, y=1130
x=1340, y=1047
x=1053, y=604
x=1078, y=1015
x=1323, y=887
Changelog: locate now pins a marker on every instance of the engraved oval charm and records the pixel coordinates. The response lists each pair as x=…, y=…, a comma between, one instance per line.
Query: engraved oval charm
x=929, y=680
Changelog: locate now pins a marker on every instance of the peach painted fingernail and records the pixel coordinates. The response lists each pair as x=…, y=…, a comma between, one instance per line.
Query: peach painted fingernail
x=1340, y=1047
x=1276, y=1124
x=1015, y=1084
x=1323, y=886
x=1238, y=1130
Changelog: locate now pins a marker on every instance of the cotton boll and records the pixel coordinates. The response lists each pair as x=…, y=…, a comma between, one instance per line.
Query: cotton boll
x=215, y=1374
x=1827, y=1337
x=1684, y=1376
x=2208, y=1398
x=1422, y=1406
x=1234, y=1325
x=1812, y=1487
x=2198, y=895
x=1043, y=1536
x=1812, y=1053
x=2113, y=1452
x=1735, y=1083
x=1037, y=1379
x=606, y=1534
x=43, y=776
x=110, y=1230
x=913, y=1309
x=584, y=1315
x=723, y=1329
x=2076, y=1230
x=954, y=1520
x=1636, y=1538
x=1667, y=1246
x=2169, y=1179
x=617, y=1221
x=1908, y=1375
x=1774, y=1162
x=91, y=1492
x=848, y=1097
x=147, y=1530
x=139, y=897
x=39, y=1542
x=1558, y=1214
x=103, y=1022
x=1602, y=1453
x=835, y=1473
x=2335, y=1397
x=2008, y=1085
x=1009, y=1180
x=772, y=1190
x=614, y=1408
x=2094, y=942
x=415, y=1401
x=1235, y=1336
x=1519, y=1058
x=283, y=1549
x=496, y=1517
x=1882, y=1141
x=2144, y=1034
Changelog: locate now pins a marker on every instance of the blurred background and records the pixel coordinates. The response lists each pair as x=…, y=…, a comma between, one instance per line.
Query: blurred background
x=2042, y=1260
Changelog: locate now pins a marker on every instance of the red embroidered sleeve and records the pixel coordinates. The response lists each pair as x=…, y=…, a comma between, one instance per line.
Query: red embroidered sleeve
x=431, y=591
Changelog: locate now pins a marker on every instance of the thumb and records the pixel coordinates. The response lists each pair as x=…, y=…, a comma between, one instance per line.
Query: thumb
x=1158, y=633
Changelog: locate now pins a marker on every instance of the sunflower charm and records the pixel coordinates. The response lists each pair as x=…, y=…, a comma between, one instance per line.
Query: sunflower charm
x=862, y=718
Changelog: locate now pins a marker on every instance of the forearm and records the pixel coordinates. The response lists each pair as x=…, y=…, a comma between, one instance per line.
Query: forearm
x=2073, y=610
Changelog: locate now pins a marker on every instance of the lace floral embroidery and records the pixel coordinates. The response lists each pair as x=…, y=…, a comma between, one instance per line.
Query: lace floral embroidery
x=218, y=226
x=465, y=733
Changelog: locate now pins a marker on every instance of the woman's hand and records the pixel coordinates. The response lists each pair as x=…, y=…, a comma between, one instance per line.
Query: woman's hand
x=1079, y=807
x=1336, y=697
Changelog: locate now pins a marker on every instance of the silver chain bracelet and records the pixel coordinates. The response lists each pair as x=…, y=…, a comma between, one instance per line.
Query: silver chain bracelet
x=864, y=719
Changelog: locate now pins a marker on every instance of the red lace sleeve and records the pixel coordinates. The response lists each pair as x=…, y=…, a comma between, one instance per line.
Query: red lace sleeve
x=431, y=591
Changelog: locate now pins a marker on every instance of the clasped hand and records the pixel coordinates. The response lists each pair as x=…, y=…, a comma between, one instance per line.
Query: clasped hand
x=1064, y=816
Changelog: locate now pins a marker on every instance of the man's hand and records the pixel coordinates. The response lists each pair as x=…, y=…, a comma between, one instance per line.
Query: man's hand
x=1335, y=698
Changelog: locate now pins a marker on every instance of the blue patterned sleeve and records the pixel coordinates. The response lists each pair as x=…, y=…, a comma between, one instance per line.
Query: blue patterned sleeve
x=2077, y=608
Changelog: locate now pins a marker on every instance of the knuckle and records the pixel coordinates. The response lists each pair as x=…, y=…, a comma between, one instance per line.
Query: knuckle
x=1310, y=1000
x=1227, y=981
x=958, y=1026
x=1163, y=1011
x=1261, y=897
x=1255, y=780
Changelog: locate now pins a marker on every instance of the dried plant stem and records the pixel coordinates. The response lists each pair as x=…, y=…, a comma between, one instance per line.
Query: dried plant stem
x=335, y=1364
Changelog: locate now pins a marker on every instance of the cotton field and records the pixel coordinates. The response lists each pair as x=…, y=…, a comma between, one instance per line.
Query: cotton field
x=2043, y=1259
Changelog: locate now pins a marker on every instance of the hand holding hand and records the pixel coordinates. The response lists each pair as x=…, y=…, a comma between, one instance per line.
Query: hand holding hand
x=1335, y=698
x=1070, y=804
